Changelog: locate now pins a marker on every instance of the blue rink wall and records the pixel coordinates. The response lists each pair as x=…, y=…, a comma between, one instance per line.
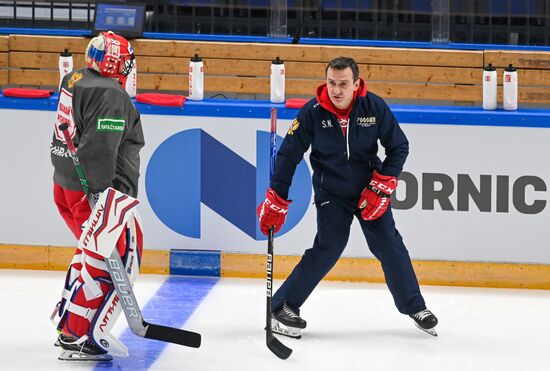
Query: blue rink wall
x=472, y=177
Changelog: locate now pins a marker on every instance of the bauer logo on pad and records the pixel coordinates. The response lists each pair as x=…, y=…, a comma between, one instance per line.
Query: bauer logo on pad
x=110, y=124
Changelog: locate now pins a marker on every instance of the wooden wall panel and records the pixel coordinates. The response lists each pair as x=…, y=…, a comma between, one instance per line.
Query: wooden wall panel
x=309, y=53
x=41, y=60
x=534, y=95
x=239, y=67
x=222, y=67
x=4, y=79
x=260, y=85
x=164, y=82
x=34, y=77
x=245, y=67
x=4, y=43
x=54, y=44
x=408, y=57
x=425, y=91
x=419, y=74
x=4, y=60
x=520, y=59
x=146, y=64
x=218, y=50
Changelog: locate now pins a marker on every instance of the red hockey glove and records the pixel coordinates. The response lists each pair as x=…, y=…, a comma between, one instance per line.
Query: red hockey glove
x=272, y=212
x=375, y=198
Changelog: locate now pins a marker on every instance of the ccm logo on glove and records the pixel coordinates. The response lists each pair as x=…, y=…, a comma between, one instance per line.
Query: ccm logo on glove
x=375, y=198
x=272, y=212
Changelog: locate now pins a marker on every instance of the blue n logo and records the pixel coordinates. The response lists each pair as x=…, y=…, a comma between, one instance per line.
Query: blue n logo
x=191, y=167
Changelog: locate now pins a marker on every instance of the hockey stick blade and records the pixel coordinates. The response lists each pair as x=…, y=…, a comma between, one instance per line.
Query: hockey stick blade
x=278, y=348
x=173, y=335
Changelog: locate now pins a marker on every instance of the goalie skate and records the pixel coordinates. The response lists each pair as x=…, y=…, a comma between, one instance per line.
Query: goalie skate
x=281, y=329
x=73, y=355
x=77, y=350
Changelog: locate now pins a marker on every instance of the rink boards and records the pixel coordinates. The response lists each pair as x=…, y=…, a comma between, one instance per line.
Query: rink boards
x=472, y=203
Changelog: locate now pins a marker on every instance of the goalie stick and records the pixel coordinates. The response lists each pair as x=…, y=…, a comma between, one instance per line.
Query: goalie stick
x=278, y=348
x=122, y=285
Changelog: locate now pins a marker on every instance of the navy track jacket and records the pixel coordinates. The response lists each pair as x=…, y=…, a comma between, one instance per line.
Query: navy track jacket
x=342, y=166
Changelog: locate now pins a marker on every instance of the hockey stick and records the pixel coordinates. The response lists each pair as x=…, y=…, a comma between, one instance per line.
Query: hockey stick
x=278, y=348
x=122, y=285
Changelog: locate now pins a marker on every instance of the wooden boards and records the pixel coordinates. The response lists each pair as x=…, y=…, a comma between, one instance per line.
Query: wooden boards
x=243, y=68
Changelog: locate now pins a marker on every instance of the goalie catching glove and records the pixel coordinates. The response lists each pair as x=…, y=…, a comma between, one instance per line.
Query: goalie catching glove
x=272, y=212
x=375, y=198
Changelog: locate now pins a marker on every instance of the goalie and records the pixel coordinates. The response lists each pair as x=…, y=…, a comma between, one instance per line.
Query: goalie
x=106, y=129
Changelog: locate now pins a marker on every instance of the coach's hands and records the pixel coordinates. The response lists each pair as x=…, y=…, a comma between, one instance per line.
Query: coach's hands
x=375, y=198
x=272, y=212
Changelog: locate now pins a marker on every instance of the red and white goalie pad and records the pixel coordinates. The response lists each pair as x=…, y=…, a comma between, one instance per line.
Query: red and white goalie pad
x=107, y=221
x=90, y=305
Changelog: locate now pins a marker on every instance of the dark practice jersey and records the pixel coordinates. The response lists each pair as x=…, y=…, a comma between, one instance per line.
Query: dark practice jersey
x=342, y=164
x=106, y=129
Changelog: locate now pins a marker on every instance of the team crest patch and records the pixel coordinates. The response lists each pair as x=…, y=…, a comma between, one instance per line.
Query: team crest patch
x=366, y=121
x=110, y=124
x=293, y=127
x=74, y=79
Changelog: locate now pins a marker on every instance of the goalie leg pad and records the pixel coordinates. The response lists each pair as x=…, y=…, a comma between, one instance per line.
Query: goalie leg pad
x=93, y=306
x=89, y=305
x=107, y=222
x=68, y=289
x=111, y=309
x=75, y=210
x=78, y=312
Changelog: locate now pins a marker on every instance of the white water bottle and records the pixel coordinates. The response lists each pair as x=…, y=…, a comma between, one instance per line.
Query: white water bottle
x=510, y=88
x=277, y=81
x=65, y=64
x=489, y=87
x=196, y=78
x=131, y=81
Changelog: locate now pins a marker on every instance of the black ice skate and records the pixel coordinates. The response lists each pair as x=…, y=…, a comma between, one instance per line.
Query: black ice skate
x=83, y=351
x=287, y=321
x=426, y=321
